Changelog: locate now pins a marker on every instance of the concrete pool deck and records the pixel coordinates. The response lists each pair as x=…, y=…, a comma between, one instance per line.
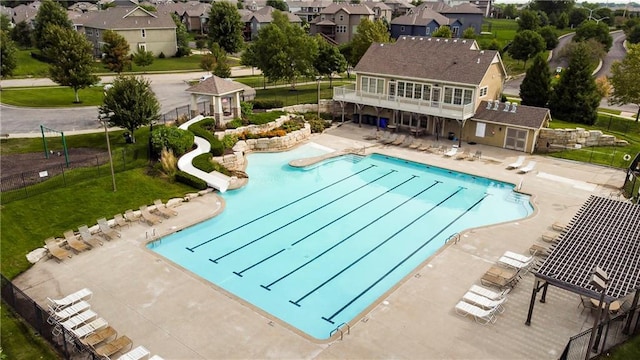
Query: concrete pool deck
x=178, y=315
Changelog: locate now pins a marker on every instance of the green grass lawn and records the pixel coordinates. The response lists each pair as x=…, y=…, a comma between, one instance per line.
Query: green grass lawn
x=304, y=94
x=19, y=342
x=28, y=66
x=52, y=96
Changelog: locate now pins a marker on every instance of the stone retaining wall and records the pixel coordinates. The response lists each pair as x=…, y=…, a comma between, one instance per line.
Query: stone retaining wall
x=561, y=139
x=256, y=129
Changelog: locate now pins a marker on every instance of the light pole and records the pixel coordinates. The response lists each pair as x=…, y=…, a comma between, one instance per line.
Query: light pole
x=104, y=120
x=318, y=78
x=600, y=281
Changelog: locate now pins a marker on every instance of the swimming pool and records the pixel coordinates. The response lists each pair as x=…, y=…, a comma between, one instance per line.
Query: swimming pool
x=317, y=246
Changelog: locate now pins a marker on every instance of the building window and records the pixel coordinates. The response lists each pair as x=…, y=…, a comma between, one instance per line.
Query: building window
x=448, y=95
x=417, y=91
x=341, y=17
x=341, y=28
x=427, y=31
x=142, y=46
x=315, y=9
x=483, y=91
x=467, y=97
x=426, y=93
x=143, y=33
x=457, y=96
x=455, y=30
x=372, y=85
x=408, y=90
x=402, y=28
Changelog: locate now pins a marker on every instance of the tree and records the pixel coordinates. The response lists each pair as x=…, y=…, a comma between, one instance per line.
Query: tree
x=575, y=98
x=182, y=37
x=469, y=33
x=207, y=63
x=329, y=60
x=4, y=23
x=634, y=35
x=115, y=51
x=563, y=21
x=625, y=79
x=594, y=48
x=8, y=61
x=49, y=13
x=278, y=5
x=71, y=58
x=367, y=33
x=22, y=35
x=577, y=16
x=536, y=85
x=225, y=26
x=442, y=32
x=593, y=30
x=143, y=58
x=130, y=103
x=510, y=11
x=221, y=66
x=526, y=44
x=283, y=51
x=604, y=87
x=528, y=20
x=550, y=36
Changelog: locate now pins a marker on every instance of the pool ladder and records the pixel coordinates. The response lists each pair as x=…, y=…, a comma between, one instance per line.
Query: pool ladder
x=339, y=328
x=455, y=238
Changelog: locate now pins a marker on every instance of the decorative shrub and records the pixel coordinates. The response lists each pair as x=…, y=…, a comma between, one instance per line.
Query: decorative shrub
x=201, y=129
x=177, y=140
x=263, y=118
x=169, y=162
x=246, y=108
x=267, y=104
x=191, y=180
x=234, y=124
x=162, y=55
x=318, y=125
x=291, y=125
x=203, y=162
x=229, y=140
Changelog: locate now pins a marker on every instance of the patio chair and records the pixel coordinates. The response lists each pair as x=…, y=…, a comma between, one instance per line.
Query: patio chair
x=481, y=315
x=476, y=155
x=148, y=217
x=516, y=164
x=138, y=353
x=500, y=277
x=106, y=230
x=75, y=321
x=66, y=313
x=88, y=329
x=373, y=135
x=452, y=152
x=465, y=154
x=120, y=221
x=415, y=144
x=519, y=257
x=528, y=168
x=424, y=147
x=88, y=237
x=399, y=140
x=390, y=139
x=550, y=236
x=559, y=226
x=55, y=250
x=513, y=263
x=489, y=294
x=99, y=336
x=483, y=302
x=82, y=294
x=385, y=137
x=131, y=216
x=163, y=209
x=74, y=243
x=156, y=357
x=114, y=346
x=537, y=250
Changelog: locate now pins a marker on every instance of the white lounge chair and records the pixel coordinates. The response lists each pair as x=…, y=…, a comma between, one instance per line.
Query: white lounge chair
x=514, y=165
x=88, y=329
x=156, y=357
x=484, y=302
x=82, y=294
x=489, y=294
x=79, y=319
x=66, y=313
x=452, y=152
x=529, y=167
x=482, y=316
x=138, y=353
x=519, y=257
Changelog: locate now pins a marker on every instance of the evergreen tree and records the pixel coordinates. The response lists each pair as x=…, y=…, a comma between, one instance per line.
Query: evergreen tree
x=8, y=61
x=115, y=51
x=575, y=98
x=182, y=37
x=536, y=86
x=225, y=26
x=22, y=35
x=221, y=66
x=143, y=58
x=49, y=13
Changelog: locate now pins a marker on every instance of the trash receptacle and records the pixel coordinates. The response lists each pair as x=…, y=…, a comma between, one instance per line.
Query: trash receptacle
x=383, y=123
x=451, y=136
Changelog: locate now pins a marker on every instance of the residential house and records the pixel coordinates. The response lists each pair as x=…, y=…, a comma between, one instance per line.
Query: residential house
x=399, y=7
x=339, y=21
x=308, y=10
x=193, y=14
x=439, y=87
x=422, y=21
x=381, y=11
x=26, y=13
x=468, y=15
x=151, y=31
x=256, y=20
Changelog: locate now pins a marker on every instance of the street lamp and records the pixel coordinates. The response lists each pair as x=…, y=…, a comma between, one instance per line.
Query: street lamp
x=600, y=281
x=318, y=78
x=104, y=120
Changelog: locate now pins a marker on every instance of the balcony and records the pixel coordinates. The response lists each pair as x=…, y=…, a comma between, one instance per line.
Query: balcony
x=436, y=108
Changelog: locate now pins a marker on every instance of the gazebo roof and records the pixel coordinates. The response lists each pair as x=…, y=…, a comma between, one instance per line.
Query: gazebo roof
x=216, y=86
x=604, y=233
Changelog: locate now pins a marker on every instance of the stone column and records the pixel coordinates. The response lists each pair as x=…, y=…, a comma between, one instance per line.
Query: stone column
x=218, y=114
x=235, y=105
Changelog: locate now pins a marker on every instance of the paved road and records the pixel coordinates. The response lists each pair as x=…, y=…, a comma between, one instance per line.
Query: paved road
x=616, y=53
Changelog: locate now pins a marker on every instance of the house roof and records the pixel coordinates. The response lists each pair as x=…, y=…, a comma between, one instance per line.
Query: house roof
x=530, y=117
x=351, y=9
x=423, y=17
x=403, y=4
x=450, y=60
x=24, y=13
x=265, y=15
x=466, y=8
x=216, y=86
x=437, y=6
x=120, y=18
x=376, y=4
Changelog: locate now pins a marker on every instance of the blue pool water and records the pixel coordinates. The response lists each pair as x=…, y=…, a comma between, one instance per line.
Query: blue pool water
x=315, y=247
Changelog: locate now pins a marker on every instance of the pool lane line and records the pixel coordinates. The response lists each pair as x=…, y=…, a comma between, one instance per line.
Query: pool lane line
x=296, y=303
x=268, y=287
x=330, y=318
x=278, y=209
x=301, y=217
x=324, y=226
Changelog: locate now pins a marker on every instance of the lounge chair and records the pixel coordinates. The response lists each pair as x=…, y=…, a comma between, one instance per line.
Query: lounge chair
x=131, y=216
x=385, y=137
x=519, y=265
x=465, y=154
x=82, y=294
x=88, y=329
x=120, y=221
x=390, y=139
x=138, y=353
x=55, y=250
x=114, y=346
x=486, y=303
x=481, y=315
x=415, y=144
x=500, y=277
x=372, y=136
x=476, y=155
x=424, y=147
x=156, y=357
x=514, y=165
x=519, y=257
x=163, y=209
x=550, y=236
x=88, y=237
x=99, y=336
x=74, y=243
x=148, y=217
x=106, y=230
x=399, y=140
x=529, y=167
x=452, y=152
x=537, y=250
x=489, y=294
x=75, y=322
x=66, y=313
x=559, y=226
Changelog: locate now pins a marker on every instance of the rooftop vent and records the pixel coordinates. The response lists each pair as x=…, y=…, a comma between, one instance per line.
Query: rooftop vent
x=513, y=108
x=481, y=52
x=478, y=61
x=438, y=40
x=496, y=105
x=506, y=106
x=489, y=103
x=464, y=41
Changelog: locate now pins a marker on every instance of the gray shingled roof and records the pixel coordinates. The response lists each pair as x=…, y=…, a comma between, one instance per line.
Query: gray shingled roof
x=265, y=16
x=525, y=116
x=423, y=17
x=450, y=60
x=437, y=6
x=351, y=9
x=466, y=8
x=119, y=18
x=216, y=86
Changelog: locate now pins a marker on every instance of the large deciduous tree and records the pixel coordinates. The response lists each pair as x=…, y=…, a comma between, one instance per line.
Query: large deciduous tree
x=22, y=35
x=526, y=44
x=115, y=51
x=182, y=37
x=130, y=103
x=49, y=13
x=528, y=20
x=367, y=33
x=536, y=85
x=278, y=5
x=329, y=59
x=8, y=61
x=550, y=36
x=592, y=30
x=221, y=66
x=71, y=58
x=576, y=98
x=283, y=51
x=625, y=79
x=225, y=26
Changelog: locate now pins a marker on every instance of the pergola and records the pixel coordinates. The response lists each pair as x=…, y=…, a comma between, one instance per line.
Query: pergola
x=604, y=233
x=217, y=89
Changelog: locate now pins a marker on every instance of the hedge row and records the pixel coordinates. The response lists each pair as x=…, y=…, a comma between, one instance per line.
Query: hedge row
x=191, y=180
x=199, y=129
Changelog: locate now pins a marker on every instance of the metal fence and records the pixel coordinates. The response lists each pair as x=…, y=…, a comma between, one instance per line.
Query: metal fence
x=631, y=187
x=26, y=184
x=609, y=334
x=32, y=313
x=184, y=112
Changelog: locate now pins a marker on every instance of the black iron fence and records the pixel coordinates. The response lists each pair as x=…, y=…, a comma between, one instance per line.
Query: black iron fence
x=33, y=314
x=631, y=187
x=30, y=183
x=184, y=112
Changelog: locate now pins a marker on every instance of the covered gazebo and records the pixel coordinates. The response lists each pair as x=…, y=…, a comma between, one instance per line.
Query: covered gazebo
x=223, y=93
